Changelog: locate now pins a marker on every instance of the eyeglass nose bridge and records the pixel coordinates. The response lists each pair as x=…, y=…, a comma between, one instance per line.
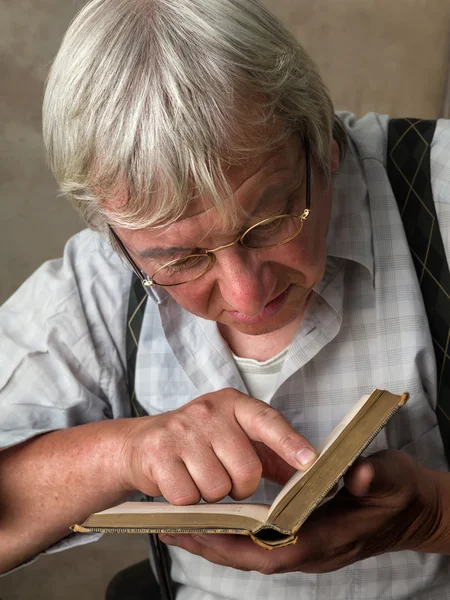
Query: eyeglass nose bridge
x=214, y=250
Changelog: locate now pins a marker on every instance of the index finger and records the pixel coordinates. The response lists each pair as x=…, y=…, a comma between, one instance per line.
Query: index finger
x=262, y=423
x=238, y=552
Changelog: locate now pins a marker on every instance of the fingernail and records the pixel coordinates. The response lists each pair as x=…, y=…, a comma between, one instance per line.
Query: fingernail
x=306, y=456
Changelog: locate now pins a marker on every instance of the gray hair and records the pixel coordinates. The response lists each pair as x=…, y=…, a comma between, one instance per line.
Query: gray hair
x=148, y=101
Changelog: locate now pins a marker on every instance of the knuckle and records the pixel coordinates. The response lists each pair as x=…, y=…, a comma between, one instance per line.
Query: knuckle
x=217, y=492
x=231, y=393
x=241, y=492
x=181, y=498
x=288, y=442
x=201, y=409
x=179, y=428
x=248, y=473
x=265, y=417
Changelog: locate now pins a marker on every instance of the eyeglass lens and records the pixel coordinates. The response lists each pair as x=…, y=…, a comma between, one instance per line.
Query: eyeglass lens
x=275, y=232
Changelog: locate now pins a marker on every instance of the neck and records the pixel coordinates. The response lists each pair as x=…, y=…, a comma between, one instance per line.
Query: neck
x=259, y=347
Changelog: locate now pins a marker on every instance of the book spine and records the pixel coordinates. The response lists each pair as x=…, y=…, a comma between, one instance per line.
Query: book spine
x=344, y=471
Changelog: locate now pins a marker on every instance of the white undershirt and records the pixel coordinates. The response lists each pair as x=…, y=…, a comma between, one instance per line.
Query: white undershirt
x=261, y=377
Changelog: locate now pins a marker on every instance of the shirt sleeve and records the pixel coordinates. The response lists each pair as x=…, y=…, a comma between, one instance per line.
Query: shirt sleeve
x=440, y=179
x=62, y=347
x=62, y=336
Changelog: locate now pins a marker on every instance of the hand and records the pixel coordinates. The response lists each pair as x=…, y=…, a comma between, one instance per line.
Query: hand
x=389, y=503
x=206, y=449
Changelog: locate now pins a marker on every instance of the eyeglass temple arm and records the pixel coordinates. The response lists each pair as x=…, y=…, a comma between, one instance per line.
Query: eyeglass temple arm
x=130, y=261
x=308, y=174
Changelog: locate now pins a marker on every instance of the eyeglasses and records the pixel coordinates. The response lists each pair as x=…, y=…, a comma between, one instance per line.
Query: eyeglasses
x=268, y=233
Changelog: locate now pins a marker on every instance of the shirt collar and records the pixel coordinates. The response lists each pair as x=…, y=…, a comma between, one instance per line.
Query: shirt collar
x=350, y=229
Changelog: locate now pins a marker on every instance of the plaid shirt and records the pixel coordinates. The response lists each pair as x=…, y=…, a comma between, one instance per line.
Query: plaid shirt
x=366, y=329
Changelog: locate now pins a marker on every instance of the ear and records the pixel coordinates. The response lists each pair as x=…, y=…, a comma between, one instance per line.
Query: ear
x=334, y=157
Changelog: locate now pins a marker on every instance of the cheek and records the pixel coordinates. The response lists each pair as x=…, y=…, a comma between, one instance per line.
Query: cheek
x=306, y=259
x=194, y=298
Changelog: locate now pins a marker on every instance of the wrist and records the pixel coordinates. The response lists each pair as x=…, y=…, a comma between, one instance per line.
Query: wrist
x=132, y=448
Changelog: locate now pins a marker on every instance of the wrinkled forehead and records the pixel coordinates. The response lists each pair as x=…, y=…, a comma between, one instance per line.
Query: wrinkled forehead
x=250, y=180
x=254, y=184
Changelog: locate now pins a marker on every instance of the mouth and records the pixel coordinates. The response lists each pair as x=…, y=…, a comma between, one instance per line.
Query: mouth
x=270, y=310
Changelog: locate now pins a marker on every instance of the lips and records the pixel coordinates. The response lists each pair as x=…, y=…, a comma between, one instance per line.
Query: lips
x=270, y=310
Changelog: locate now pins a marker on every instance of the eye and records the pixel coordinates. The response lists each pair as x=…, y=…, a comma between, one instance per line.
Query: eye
x=271, y=227
x=277, y=231
x=183, y=269
x=188, y=263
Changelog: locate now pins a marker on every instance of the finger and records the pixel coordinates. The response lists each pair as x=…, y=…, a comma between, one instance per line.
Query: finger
x=328, y=542
x=238, y=552
x=274, y=467
x=262, y=423
x=175, y=481
x=242, y=463
x=191, y=544
x=209, y=475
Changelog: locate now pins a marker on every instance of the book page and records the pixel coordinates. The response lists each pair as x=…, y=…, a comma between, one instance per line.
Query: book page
x=326, y=443
x=256, y=511
x=152, y=517
x=342, y=424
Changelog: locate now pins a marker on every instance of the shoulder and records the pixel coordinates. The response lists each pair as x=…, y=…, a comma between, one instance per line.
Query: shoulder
x=368, y=138
x=368, y=134
x=63, y=342
x=440, y=162
x=89, y=282
x=440, y=179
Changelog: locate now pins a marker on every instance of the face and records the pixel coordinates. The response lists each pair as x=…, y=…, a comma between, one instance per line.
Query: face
x=253, y=292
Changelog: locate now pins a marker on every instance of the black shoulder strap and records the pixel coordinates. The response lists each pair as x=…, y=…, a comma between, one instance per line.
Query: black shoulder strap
x=408, y=166
x=136, y=309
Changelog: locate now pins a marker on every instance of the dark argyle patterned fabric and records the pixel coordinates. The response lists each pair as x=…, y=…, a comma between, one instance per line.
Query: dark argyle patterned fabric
x=408, y=162
x=136, y=308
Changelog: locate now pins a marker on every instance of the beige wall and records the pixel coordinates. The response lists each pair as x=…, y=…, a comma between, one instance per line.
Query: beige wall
x=384, y=55
x=389, y=56
x=34, y=223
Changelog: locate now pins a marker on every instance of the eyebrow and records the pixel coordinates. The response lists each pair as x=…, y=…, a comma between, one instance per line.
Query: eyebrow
x=160, y=252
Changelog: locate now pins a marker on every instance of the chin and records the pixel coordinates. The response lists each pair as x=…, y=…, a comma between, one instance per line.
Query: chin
x=277, y=323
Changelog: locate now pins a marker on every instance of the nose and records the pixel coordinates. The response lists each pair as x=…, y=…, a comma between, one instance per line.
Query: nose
x=244, y=281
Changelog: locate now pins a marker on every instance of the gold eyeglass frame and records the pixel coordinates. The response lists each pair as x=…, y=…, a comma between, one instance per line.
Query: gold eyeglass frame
x=148, y=281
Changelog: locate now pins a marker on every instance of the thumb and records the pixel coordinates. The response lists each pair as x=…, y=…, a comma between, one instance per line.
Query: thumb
x=378, y=475
x=273, y=466
x=359, y=478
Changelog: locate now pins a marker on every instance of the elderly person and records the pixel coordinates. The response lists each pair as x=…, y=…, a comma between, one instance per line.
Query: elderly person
x=200, y=145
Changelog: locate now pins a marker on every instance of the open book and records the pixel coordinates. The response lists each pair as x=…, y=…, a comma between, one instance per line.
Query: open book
x=269, y=526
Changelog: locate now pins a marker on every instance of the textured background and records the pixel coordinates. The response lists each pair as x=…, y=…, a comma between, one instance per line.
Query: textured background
x=391, y=57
